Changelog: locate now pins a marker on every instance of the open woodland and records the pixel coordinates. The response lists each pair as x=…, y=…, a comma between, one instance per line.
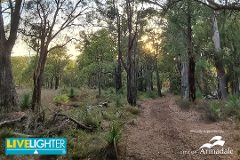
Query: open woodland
x=145, y=78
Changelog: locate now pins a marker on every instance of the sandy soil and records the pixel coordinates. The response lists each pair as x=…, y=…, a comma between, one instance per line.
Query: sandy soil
x=163, y=132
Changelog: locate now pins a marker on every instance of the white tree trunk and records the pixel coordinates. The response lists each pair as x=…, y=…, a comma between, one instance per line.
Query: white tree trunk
x=218, y=59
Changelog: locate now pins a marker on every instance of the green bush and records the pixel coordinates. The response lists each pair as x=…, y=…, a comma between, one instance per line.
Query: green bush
x=4, y=133
x=120, y=91
x=215, y=109
x=118, y=102
x=198, y=94
x=233, y=101
x=175, y=84
x=114, y=136
x=61, y=98
x=25, y=104
x=72, y=93
x=151, y=94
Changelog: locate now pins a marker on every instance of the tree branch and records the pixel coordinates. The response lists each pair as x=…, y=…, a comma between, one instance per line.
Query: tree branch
x=11, y=121
x=73, y=120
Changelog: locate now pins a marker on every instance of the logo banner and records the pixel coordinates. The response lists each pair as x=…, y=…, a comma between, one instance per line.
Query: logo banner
x=38, y=146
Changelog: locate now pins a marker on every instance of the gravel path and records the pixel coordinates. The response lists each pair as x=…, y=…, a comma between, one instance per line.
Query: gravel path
x=163, y=132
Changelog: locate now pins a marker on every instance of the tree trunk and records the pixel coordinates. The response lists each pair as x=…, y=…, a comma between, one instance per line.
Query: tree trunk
x=38, y=80
x=119, y=68
x=8, y=95
x=149, y=77
x=131, y=88
x=131, y=77
x=159, y=83
x=191, y=69
x=56, y=82
x=51, y=83
x=218, y=59
x=184, y=80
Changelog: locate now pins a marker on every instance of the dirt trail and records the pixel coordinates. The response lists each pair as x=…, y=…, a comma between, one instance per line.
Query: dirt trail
x=163, y=132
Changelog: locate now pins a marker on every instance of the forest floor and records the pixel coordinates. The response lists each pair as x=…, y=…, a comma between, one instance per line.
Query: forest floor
x=162, y=131
x=165, y=132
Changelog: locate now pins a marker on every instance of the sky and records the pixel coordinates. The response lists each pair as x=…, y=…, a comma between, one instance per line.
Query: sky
x=21, y=49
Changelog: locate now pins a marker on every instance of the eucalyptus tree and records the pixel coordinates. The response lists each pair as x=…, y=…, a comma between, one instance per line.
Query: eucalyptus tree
x=97, y=60
x=9, y=22
x=45, y=22
x=58, y=59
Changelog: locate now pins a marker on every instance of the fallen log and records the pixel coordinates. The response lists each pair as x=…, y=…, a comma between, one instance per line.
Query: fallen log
x=25, y=135
x=80, y=125
x=11, y=121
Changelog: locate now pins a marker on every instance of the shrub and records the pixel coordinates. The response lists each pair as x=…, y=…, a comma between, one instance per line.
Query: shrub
x=61, y=98
x=72, y=93
x=183, y=103
x=208, y=113
x=215, y=109
x=117, y=102
x=4, y=133
x=108, y=116
x=25, y=104
x=175, y=83
x=198, y=94
x=233, y=101
x=151, y=95
x=114, y=136
x=120, y=91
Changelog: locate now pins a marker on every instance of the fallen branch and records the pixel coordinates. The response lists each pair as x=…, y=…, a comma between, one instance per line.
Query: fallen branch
x=11, y=121
x=80, y=125
x=25, y=135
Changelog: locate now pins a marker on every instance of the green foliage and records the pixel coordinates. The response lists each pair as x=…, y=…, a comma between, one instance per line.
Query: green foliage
x=120, y=91
x=215, y=109
x=81, y=145
x=206, y=80
x=118, y=102
x=151, y=94
x=114, y=136
x=109, y=116
x=19, y=64
x=198, y=94
x=61, y=98
x=72, y=93
x=175, y=84
x=25, y=103
x=233, y=102
x=4, y=133
x=97, y=60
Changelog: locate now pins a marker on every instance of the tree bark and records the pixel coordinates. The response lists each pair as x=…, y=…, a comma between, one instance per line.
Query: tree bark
x=119, y=68
x=8, y=95
x=159, y=82
x=38, y=79
x=51, y=83
x=56, y=82
x=191, y=69
x=131, y=78
x=184, y=80
x=218, y=59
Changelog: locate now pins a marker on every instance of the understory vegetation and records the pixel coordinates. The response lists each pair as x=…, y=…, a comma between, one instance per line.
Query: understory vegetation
x=106, y=122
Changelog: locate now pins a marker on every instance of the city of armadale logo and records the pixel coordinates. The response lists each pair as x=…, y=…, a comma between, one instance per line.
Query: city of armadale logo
x=208, y=148
x=215, y=141
x=40, y=146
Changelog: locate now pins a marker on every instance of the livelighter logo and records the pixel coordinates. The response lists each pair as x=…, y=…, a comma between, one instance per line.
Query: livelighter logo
x=215, y=141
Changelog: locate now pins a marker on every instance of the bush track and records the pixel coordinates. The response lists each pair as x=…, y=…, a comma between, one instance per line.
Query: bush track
x=162, y=132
